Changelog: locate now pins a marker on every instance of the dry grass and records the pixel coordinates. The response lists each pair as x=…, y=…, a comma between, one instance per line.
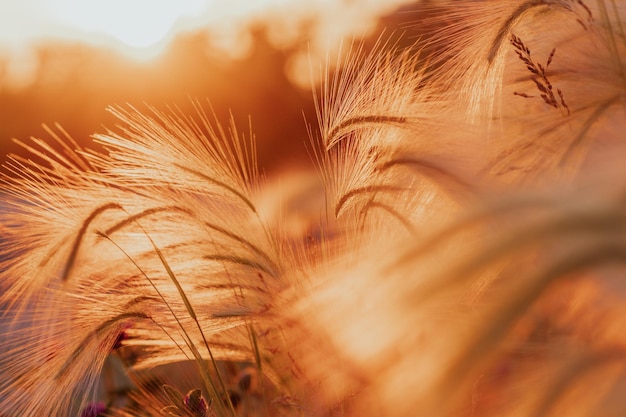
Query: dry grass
x=462, y=254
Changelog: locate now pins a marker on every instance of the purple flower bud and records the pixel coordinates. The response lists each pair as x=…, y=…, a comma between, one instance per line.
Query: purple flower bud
x=120, y=338
x=122, y=335
x=94, y=410
x=196, y=403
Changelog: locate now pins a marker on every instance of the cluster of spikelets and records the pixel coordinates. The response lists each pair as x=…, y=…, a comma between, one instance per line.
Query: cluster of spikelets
x=460, y=255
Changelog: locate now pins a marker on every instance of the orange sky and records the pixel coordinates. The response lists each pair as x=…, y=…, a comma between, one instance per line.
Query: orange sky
x=61, y=61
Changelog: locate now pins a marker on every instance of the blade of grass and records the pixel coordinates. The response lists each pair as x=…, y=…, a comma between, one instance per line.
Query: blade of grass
x=355, y=123
x=220, y=184
x=368, y=189
x=247, y=244
x=145, y=213
x=193, y=315
x=206, y=378
x=71, y=259
x=239, y=261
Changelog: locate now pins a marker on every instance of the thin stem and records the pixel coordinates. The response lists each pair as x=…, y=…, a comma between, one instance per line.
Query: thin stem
x=220, y=184
x=431, y=170
x=208, y=383
x=193, y=315
x=145, y=213
x=612, y=41
x=71, y=259
x=354, y=123
x=597, y=113
x=389, y=210
x=246, y=243
x=368, y=189
x=505, y=28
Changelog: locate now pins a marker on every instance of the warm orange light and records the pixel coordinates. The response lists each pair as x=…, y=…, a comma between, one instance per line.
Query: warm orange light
x=139, y=28
x=136, y=23
x=142, y=29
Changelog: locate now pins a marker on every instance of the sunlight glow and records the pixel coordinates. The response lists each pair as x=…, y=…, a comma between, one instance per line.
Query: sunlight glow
x=137, y=28
x=142, y=29
x=137, y=23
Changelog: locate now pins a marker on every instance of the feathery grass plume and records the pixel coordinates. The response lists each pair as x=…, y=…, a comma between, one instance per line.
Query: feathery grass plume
x=95, y=242
x=204, y=158
x=383, y=147
x=518, y=72
x=419, y=286
x=581, y=81
x=473, y=44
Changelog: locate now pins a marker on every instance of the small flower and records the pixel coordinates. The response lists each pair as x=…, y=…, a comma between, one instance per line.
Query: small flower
x=192, y=404
x=196, y=403
x=94, y=410
x=123, y=335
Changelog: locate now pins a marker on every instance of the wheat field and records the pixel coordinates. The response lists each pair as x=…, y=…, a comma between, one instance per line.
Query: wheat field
x=458, y=251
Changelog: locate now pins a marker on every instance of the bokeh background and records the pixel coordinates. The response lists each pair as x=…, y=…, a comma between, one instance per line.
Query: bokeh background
x=66, y=61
